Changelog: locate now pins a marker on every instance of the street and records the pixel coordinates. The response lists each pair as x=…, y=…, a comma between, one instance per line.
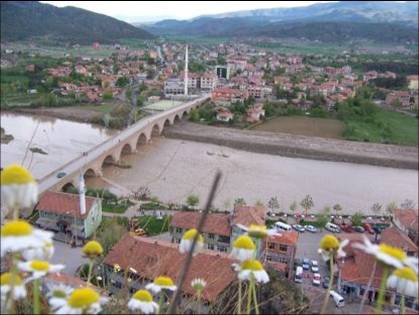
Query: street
x=69, y=256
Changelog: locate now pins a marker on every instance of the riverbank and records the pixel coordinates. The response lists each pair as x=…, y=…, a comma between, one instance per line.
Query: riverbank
x=299, y=146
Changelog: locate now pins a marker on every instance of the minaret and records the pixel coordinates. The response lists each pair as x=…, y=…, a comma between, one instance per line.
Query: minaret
x=186, y=71
x=82, y=194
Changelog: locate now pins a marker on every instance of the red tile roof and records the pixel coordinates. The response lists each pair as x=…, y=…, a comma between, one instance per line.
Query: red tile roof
x=407, y=217
x=288, y=238
x=152, y=258
x=216, y=223
x=247, y=215
x=64, y=203
x=394, y=237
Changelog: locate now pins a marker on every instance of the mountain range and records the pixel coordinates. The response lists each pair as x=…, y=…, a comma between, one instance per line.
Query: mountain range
x=379, y=21
x=21, y=20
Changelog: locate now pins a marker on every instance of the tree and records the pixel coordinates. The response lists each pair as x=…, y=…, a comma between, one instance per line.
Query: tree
x=307, y=203
x=376, y=208
x=110, y=232
x=192, y=200
x=407, y=204
x=107, y=95
x=337, y=207
x=122, y=81
x=273, y=204
x=322, y=219
x=140, y=101
x=293, y=206
x=357, y=219
x=259, y=203
x=390, y=208
x=194, y=115
x=142, y=193
x=239, y=202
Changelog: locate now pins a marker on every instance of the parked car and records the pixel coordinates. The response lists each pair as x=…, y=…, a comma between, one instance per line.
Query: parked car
x=368, y=228
x=359, y=229
x=298, y=275
x=314, y=266
x=337, y=298
x=347, y=228
x=332, y=227
x=326, y=282
x=310, y=228
x=298, y=228
x=281, y=226
x=61, y=174
x=316, y=279
x=306, y=264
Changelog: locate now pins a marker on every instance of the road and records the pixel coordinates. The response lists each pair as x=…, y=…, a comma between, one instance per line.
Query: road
x=73, y=167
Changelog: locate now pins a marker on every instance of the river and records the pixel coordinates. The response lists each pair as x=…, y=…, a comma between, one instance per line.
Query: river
x=61, y=139
x=173, y=169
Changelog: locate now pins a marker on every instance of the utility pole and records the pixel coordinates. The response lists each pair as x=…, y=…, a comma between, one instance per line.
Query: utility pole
x=186, y=72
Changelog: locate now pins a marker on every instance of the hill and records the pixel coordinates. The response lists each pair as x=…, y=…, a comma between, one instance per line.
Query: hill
x=21, y=20
x=381, y=22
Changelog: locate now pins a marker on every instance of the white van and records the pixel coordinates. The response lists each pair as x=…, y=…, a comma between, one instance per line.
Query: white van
x=339, y=300
x=282, y=226
x=332, y=227
x=298, y=275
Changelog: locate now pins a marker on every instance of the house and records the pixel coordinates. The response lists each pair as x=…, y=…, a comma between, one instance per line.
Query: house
x=280, y=252
x=135, y=261
x=228, y=95
x=173, y=86
x=401, y=98
x=61, y=213
x=407, y=221
x=96, y=45
x=255, y=113
x=412, y=82
x=208, y=81
x=224, y=114
x=396, y=238
x=220, y=229
x=355, y=271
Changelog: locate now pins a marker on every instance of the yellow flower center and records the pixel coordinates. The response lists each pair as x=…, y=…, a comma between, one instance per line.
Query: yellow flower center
x=244, y=242
x=392, y=251
x=329, y=242
x=190, y=234
x=251, y=264
x=258, y=231
x=143, y=296
x=163, y=281
x=39, y=265
x=57, y=293
x=92, y=248
x=406, y=273
x=83, y=298
x=16, y=228
x=7, y=279
x=15, y=174
x=198, y=284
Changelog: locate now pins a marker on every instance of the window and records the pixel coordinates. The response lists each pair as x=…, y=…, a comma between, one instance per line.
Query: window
x=211, y=236
x=224, y=239
x=178, y=230
x=210, y=246
x=222, y=249
x=283, y=248
x=271, y=245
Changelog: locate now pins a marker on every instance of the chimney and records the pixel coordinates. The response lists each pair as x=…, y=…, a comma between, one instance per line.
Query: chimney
x=82, y=196
x=186, y=71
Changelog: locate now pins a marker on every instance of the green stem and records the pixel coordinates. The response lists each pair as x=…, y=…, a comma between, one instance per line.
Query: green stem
x=255, y=299
x=249, y=295
x=89, y=275
x=199, y=301
x=381, y=292
x=240, y=298
x=402, y=310
x=14, y=272
x=36, y=301
x=326, y=298
x=160, y=303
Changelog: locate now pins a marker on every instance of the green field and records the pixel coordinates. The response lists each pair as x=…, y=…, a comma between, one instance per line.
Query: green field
x=153, y=225
x=388, y=127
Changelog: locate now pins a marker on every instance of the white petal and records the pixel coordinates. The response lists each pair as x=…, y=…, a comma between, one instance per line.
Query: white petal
x=261, y=276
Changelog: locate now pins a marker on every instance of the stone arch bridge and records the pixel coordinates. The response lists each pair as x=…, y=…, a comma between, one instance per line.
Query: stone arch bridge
x=128, y=141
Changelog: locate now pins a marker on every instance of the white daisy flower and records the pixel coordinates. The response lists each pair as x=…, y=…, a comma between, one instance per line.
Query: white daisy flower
x=6, y=284
x=412, y=262
x=82, y=301
x=143, y=301
x=198, y=284
x=18, y=235
x=387, y=254
x=253, y=268
x=41, y=253
x=18, y=188
x=405, y=281
x=39, y=268
x=330, y=245
x=57, y=296
x=161, y=283
x=243, y=248
x=187, y=239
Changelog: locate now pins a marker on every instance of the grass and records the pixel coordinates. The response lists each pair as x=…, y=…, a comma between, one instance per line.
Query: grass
x=387, y=127
x=116, y=208
x=153, y=225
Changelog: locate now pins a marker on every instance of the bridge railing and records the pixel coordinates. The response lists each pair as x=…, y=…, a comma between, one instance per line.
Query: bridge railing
x=130, y=130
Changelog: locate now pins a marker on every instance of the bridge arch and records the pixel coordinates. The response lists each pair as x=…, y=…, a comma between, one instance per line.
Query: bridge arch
x=108, y=160
x=142, y=139
x=126, y=149
x=90, y=173
x=67, y=187
x=177, y=118
x=167, y=123
x=156, y=130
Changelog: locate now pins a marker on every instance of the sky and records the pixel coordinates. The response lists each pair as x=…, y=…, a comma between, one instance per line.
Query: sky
x=146, y=11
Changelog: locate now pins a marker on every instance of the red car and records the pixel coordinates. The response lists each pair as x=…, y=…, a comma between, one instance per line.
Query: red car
x=368, y=228
x=347, y=228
